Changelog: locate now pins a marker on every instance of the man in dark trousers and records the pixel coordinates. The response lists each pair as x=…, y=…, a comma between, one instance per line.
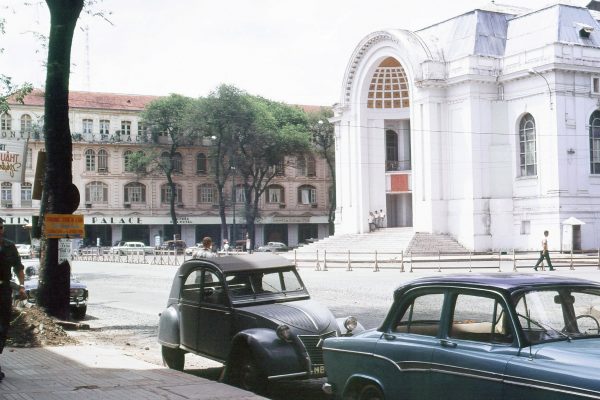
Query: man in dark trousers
x=544, y=254
x=9, y=258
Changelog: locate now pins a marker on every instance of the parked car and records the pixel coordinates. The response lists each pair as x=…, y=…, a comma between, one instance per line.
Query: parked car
x=273, y=247
x=78, y=290
x=25, y=250
x=178, y=245
x=126, y=248
x=492, y=336
x=251, y=312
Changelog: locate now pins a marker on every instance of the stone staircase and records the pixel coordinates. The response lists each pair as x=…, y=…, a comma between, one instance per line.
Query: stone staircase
x=422, y=243
x=386, y=240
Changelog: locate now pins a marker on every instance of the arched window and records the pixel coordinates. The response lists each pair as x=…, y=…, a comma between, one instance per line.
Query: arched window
x=25, y=125
x=96, y=192
x=177, y=163
x=311, y=166
x=90, y=160
x=6, y=193
x=595, y=142
x=201, y=165
x=5, y=122
x=165, y=193
x=307, y=195
x=102, y=160
x=527, y=152
x=26, y=191
x=389, y=86
x=135, y=192
x=126, y=161
x=206, y=193
x=275, y=194
x=391, y=150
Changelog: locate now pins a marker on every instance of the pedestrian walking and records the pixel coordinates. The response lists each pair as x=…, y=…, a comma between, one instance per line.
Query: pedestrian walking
x=206, y=250
x=544, y=254
x=9, y=258
x=226, y=246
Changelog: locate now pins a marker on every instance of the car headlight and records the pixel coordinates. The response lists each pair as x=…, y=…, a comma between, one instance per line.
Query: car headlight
x=284, y=333
x=77, y=292
x=350, y=323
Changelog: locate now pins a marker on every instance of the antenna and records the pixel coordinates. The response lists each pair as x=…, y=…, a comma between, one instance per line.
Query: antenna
x=87, y=56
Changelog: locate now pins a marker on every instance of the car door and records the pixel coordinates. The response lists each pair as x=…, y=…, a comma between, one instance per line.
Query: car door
x=471, y=357
x=408, y=342
x=189, y=305
x=214, y=317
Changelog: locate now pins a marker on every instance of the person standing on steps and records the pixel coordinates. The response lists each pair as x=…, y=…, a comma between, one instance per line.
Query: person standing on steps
x=9, y=258
x=544, y=253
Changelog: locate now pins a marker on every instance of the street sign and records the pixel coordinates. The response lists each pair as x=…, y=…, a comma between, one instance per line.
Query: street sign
x=67, y=226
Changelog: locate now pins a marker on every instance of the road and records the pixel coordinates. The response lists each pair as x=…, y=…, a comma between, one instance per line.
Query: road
x=125, y=300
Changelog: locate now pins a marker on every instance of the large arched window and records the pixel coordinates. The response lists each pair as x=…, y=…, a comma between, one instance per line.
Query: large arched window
x=90, y=160
x=26, y=190
x=5, y=122
x=207, y=193
x=301, y=166
x=102, y=160
x=25, y=125
x=595, y=142
x=96, y=192
x=311, y=166
x=134, y=192
x=527, y=151
x=165, y=193
x=275, y=194
x=201, y=164
x=389, y=86
x=307, y=195
x=177, y=163
x=6, y=193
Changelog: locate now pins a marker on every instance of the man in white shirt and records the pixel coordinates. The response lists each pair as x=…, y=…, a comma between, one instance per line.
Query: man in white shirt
x=544, y=253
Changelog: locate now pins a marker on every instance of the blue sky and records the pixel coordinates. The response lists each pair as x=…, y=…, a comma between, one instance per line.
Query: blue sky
x=292, y=51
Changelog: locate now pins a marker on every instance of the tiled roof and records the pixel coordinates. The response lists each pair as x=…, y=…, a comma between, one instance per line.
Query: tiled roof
x=111, y=101
x=95, y=100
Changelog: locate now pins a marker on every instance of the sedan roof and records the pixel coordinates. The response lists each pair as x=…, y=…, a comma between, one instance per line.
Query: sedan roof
x=505, y=281
x=242, y=262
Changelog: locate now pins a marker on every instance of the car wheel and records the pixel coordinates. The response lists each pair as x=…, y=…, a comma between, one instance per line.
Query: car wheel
x=79, y=312
x=173, y=358
x=248, y=376
x=370, y=392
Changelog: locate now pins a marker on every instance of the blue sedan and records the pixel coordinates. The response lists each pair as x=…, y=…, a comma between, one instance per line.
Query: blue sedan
x=488, y=336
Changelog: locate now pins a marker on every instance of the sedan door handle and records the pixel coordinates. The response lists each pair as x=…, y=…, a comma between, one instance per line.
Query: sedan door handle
x=447, y=343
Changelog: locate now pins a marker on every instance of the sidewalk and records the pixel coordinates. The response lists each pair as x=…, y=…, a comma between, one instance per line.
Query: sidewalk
x=97, y=373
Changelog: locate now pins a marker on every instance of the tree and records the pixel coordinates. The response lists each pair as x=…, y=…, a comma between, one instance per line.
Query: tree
x=220, y=117
x=167, y=118
x=323, y=141
x=60, y=195
x=276, y=131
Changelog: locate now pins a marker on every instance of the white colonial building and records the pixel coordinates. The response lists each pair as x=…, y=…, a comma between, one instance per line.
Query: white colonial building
x=485, y=126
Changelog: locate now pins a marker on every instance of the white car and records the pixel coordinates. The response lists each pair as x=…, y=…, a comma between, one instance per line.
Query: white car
x=125, y=248
x=25, y=250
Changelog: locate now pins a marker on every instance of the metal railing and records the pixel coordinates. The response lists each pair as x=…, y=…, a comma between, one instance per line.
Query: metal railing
x=436, y=260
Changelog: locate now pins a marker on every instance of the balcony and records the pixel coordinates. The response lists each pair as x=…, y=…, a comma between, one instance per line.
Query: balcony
x=402, y=165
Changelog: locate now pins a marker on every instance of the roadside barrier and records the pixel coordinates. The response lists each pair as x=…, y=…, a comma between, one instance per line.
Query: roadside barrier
x=157, y=257
x=513, y=260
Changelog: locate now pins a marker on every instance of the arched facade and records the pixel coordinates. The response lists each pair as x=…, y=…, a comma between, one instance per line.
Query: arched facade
x=458, y=129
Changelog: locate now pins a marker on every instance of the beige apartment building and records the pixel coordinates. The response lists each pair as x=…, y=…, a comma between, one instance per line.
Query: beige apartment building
x=120, y=204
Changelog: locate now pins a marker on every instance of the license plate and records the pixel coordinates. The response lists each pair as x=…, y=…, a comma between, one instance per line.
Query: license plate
x=318, y=370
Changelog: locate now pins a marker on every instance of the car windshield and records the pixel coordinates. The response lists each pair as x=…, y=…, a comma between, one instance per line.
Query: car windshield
x=563, y=313
x=271, y=283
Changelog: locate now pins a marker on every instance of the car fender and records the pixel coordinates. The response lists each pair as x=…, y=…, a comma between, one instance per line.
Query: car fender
x=272, y=355
x=168, y=327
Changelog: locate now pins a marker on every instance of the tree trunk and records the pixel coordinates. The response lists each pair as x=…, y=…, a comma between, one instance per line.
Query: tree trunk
x=54, y=282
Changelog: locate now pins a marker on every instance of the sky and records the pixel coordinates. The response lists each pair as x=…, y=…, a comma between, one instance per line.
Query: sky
x=290, y=51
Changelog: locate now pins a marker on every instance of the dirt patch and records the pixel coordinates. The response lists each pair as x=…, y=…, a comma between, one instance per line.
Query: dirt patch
x=32, y=327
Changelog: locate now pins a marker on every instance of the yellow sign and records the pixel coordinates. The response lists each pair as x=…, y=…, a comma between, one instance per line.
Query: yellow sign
x=58, y=226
